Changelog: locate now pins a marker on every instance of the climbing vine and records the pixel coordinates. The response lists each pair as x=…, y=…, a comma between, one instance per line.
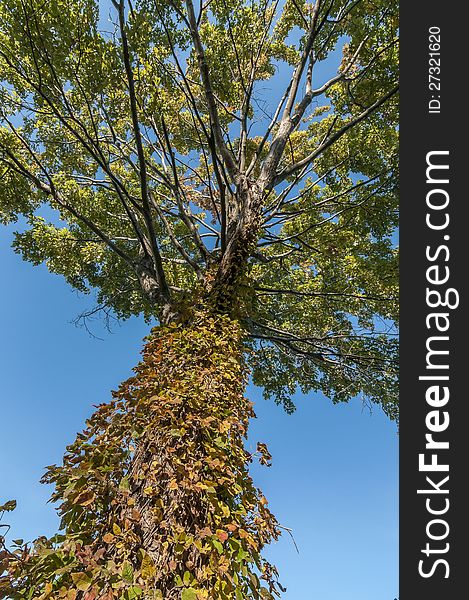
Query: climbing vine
x=155, y=496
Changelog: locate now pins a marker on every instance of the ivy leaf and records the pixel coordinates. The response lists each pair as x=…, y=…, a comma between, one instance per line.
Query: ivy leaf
x=127, y=572
x=134, y=592
x=124, y=485
x=82, y=581
x=147, y=568
x=85, y=498
x=222, y=535
x=8, y=506
x=116, y=529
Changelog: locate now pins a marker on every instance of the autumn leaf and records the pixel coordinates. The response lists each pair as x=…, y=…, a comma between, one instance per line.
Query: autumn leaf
x=124, y=485
x=8, y=506
x=172, y=565
x=85, y=498
x=147, y=567
x=222, y=535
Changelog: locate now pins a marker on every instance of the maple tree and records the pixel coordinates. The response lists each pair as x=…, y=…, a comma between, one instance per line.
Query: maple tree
x=191, y=163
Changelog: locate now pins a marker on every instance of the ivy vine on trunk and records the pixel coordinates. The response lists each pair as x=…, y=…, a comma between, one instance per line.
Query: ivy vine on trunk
x=146, y=160
x=155, y=495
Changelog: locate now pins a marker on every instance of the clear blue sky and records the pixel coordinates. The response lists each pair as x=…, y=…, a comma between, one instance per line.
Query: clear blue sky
x=334, y=474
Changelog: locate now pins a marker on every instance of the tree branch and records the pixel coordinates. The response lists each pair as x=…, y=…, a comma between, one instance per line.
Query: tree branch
x=334, y=137
x=209, y=95
x=160, y=274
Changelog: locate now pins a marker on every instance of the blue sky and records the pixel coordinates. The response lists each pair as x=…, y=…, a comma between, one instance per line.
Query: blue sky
x=334, y=474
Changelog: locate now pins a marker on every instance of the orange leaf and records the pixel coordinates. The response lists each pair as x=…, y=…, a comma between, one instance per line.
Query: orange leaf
x=205, y=532
x=222, y=535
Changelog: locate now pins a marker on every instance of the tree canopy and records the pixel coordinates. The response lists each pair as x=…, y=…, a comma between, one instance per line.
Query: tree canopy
x=155, y=149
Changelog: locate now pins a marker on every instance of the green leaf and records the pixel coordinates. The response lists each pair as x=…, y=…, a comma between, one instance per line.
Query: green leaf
x=189, y=594
x=124, y=485
x=186, y=578
x=127, y=572
x=82, y=581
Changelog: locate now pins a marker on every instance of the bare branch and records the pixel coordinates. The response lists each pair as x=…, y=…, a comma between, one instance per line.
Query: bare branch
x=209, y=95
x=160, y=274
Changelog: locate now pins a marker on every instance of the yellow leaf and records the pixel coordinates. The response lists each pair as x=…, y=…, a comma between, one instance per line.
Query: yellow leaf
x=82, y=581
x=147, y=567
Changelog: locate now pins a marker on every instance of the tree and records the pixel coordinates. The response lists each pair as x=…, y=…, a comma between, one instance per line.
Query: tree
x=150, y=165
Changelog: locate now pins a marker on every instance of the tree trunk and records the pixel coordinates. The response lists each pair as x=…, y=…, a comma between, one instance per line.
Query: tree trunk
x=201, y=521
x=157, y=489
